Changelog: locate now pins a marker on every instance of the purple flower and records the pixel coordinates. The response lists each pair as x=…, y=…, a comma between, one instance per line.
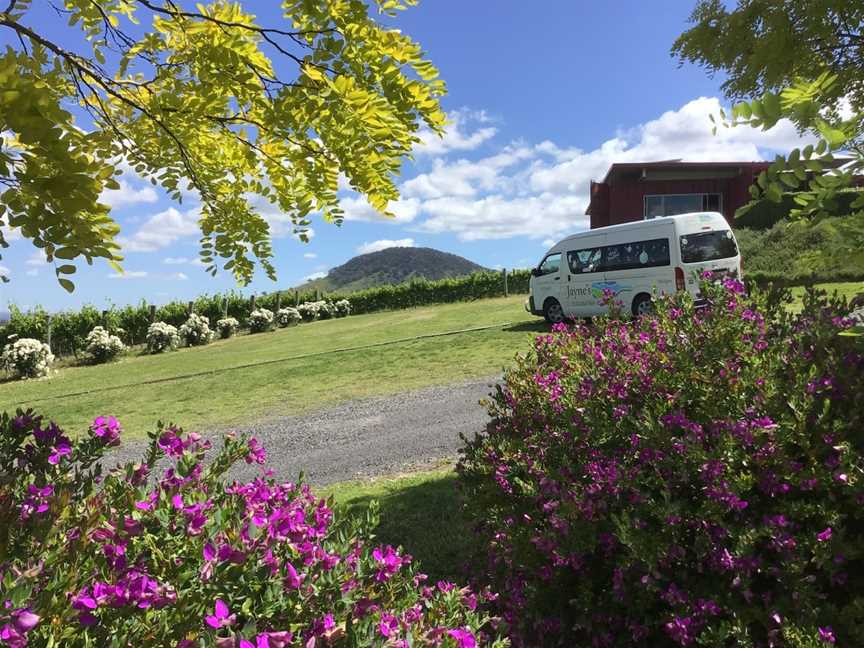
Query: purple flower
x=257, y=454
x=824, y=536
x=106, y=428
x=222, y=616
x=826, y=634
x=388, y=625
x=464, y=638
x=61, y=448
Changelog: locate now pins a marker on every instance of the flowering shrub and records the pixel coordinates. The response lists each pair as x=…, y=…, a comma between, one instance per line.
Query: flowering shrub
x=196, y=331
x=187, y=558
x=342, y=308
x=310, y=311
x=27, y=358
x=288, y=317
x=162, y=337
x=689, y=478
x=102, y=346
x=227, y=327
x=260, y=320
x=327, y=310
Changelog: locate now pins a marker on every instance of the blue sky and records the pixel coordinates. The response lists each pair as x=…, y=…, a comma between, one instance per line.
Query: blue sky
x=541, y=101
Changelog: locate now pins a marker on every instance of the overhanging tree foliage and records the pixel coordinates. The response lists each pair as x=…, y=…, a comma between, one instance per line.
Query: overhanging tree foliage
x=801, y=60
x=203, y=99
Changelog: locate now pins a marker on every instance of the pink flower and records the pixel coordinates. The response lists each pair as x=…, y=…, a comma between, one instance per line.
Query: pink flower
x=824, y=536
x=222, y=617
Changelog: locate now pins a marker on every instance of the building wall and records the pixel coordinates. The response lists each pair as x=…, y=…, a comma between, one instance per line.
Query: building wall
x=622, y=201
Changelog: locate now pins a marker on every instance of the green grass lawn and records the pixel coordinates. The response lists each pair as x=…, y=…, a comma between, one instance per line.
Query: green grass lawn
x=846, y=289
x=422, y=512
x=226, y=398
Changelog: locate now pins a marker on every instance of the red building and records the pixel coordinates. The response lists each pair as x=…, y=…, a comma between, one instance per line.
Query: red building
x=643, y=190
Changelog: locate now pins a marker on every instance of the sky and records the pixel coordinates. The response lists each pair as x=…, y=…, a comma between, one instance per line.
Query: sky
x=542, y=98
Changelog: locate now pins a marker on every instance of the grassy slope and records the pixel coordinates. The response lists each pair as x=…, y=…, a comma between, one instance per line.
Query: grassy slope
x=232, y=397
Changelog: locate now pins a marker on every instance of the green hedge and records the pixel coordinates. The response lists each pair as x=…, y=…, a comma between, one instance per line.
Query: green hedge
x=70, y=328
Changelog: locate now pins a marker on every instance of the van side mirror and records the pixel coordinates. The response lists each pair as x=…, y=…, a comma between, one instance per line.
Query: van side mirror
x=535, y=272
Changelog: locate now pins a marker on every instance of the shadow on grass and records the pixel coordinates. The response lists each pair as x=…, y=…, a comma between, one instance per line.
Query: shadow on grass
x=426, y=519
x=540, y=326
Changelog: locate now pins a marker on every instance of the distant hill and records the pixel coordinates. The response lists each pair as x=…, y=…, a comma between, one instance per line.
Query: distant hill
x=393, y=266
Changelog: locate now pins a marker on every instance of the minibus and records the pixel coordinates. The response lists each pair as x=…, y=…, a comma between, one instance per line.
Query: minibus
x=633, y=262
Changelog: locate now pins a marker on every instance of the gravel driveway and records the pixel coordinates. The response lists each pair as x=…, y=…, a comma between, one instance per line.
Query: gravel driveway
x=363, y=438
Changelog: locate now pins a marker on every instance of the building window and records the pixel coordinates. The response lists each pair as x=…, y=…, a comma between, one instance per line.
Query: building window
x=671, y=204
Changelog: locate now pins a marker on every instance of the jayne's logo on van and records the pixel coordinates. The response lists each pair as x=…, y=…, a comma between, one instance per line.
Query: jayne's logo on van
x=578, y=292
x=613, y=287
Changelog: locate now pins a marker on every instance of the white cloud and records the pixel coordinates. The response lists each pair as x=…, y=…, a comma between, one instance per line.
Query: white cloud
x=161, y=230
x=500, y=217
x=383, y=244
x=456, y=136
x=37, y=259
x=4, y=271
x=315, y=275
x=32, y=272
x=465, y=178
x=135, y=274
x=128, y=194
x=357, y=208
x=10, y=233
x=548, y=242
x=310, y=255
x=183, y=261
x=541, y=192
x=177, y=276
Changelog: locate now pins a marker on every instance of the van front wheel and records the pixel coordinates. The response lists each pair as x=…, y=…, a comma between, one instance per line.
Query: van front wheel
x=552, y=311
x=642, y=305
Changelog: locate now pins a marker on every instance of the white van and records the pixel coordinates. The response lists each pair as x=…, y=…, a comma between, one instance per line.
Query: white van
x=634, y=261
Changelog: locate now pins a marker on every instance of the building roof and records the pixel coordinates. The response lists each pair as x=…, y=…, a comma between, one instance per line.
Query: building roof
x=627, y=168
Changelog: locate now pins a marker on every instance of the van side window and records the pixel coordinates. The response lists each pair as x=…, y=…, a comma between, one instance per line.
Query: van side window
x=587, y=260
x=638, y=254
x=550, y=264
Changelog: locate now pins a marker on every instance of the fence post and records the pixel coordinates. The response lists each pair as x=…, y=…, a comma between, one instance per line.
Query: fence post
x=317, y=294
x=48, y=333
x=278, y=301
x=506, y=291
x=252, y=302
x=152, y=313
x=105, y=319
x=190, y=307
x=225, y=307
x=296, y=297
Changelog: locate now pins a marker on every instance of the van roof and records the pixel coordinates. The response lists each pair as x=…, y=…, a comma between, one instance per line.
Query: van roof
x=654, y=222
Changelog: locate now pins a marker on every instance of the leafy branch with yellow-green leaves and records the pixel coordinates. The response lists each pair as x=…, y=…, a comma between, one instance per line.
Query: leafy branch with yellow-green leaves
x=197, y=100
x=795, y=59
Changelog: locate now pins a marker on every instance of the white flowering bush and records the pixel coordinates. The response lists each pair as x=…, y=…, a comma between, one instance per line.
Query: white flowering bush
x=196, y=331
x=227, y=327
x=288, y=316
x=310, y=311
x=328, y=310
x=27, y=358
x=342, y=308
x=102, y=346
x=260, y=320
x=162, y=337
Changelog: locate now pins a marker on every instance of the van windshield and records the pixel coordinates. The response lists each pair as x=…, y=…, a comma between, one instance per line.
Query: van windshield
x=708, y=246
